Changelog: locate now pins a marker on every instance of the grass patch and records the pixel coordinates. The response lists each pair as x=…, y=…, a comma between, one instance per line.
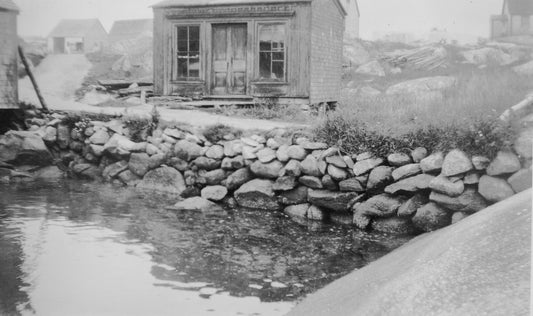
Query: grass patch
x=267, y=111
x=217, y=132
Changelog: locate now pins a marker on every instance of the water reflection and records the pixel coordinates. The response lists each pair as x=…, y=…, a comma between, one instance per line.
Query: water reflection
x=72, y=248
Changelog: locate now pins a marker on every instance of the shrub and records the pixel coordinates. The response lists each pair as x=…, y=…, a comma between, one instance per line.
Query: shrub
x=216, y=133
x=139, y=127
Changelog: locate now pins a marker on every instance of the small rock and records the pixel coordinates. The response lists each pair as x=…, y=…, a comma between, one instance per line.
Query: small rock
x=364, y=156
x=418, y=154
x=337, y=161
x=214, y=177
x=233, y=163
x=314, y=213
x=495, y=189
x=335, y=201
x=268, y=171
x=238, y=178
x=129, y=178
x=413, y=184
x=521, y=180
x=310, y=167
x=471, y=178
x=351, y=185
x=205, y=163
x=433, y=163
x=299, y=210
x=266, y=155
x=504, y=163
x=410, y=207
x=314, y=146
x=382, y=205
x=196, y=204
x=311, y=182
x=214, y=193
x=523, y=145
x=164, y=179
x=364, y=166
x=285, y=183
x=233, y=148
x=431, y=217
x=100, y=137
x=296, y=152
x=349, y=162
x=458, y=216
x=272, y=143
x=50, y=134
x=406, y=172
x=178, y=164
x=399, y=159
x=187, y=150
x=455, y=163
x=470, y=201
x=283, y=153
x=139, y=163
x=296, y=196
x=114, y=170
x=257, y=194
x=250, y=153
x=442, y=184
x=293, y=168
x=215, y=152
x=379, y=178
x=337, y=174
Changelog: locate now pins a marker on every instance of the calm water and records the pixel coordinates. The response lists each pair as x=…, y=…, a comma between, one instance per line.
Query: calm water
x=73, y=248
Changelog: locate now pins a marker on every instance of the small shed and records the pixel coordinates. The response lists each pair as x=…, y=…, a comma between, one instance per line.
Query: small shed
x=124, y=30
x=77, y=37
x=8, y=55
x=287, y=50
x=352, y=18
x=516, y=19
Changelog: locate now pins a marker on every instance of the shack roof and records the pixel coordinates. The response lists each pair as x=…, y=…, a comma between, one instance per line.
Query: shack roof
x=127, y=29
x=206, y=3
x=8, y=5
x=519, y=7
x=75, y=28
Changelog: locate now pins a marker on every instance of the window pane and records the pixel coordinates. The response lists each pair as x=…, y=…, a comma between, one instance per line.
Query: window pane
x=182, y=67
x=277, y=70
x=182, y=46
x=265, y=38
x=182, y=33
x=265, y=60
x=194, y=46
x=194, y=33
x=278, y=56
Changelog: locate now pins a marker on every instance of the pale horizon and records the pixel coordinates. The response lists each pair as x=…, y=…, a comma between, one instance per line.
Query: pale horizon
x=466, y=18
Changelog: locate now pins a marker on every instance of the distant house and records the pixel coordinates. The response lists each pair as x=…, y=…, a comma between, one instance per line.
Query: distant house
x=352, y=18
x=287, y=50
x=77, y=37
x=8, y=55
x=516, y=19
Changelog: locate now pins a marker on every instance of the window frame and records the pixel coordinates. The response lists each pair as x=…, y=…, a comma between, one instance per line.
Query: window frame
x=175, y=43
x=257, y=56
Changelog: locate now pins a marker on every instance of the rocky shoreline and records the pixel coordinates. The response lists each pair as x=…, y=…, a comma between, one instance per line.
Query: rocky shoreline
x=403, y=193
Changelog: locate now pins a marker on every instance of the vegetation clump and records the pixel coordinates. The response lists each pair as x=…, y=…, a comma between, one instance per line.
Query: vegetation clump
x=219, y=132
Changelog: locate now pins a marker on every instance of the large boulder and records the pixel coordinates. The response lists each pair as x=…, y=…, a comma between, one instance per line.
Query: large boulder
x=188, y=150
x=379, y=178
x=268, y=171
x=432, y=163
x=521, y=180
x=238, y=178
x=335, y=201
x=139, y=163
x=378, y=206
x=444, y=185
x=257, y=194
x=406, y=171
x=410, y=207
x=295, y=196
x=431, y=217
x=310, y=167
x=372, y=68
x=164, y=179
x=113, y=170
x=298, y=211
x=24, y=148
x=422, y=87
x=413, y=184
x=455, y=163
x=495, y=189
x=366, y=165
x=470, y=201
x=285, y=183
x=196, y=204
x=505, y=163
x=214, y=193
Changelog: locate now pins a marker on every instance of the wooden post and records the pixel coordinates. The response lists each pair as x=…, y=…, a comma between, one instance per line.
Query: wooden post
x=32, y=78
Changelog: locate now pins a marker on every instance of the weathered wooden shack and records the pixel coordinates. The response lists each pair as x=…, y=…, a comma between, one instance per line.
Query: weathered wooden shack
x=8, y=55
x=288, y=50
x=77, y=37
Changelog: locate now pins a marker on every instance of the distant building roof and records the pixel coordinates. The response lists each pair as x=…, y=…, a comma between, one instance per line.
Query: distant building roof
x=128, y=29
x=519, y=7
x=75, y=28
x=8, y=5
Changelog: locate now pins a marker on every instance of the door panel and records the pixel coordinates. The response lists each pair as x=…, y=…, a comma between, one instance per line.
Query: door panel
x=229, y=59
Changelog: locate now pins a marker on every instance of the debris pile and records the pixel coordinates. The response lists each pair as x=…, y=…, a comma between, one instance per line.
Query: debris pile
x=423, y=58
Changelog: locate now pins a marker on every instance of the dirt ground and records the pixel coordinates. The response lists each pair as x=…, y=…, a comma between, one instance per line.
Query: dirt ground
x=60, y=76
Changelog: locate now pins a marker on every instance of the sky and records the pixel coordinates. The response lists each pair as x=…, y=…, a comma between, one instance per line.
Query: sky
x=378, y=17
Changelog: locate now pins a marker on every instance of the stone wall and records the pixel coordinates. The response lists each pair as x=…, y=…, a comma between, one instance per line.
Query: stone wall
x=404, y=193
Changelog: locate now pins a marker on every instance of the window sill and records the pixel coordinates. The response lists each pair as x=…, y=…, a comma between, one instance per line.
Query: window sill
x=196, y=81
x=279, y=83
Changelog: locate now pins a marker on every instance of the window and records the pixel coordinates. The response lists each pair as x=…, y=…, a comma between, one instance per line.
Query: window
x=272, y=52
x=188, y=50
x=525, y=21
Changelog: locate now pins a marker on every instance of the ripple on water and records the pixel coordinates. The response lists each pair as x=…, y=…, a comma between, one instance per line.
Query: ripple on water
x=73, y=247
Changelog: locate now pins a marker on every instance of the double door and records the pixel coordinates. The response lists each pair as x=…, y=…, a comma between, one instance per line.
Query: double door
x=229, y=59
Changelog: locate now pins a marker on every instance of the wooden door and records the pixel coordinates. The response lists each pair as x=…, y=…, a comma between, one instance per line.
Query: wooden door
x=229, y=59
x=59, y=45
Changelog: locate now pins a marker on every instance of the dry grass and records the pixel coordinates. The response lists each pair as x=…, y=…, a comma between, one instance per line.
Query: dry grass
x=479, y=95
x=274, y=112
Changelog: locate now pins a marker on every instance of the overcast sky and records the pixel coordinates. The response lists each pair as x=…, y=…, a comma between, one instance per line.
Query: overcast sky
x=470, y=17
